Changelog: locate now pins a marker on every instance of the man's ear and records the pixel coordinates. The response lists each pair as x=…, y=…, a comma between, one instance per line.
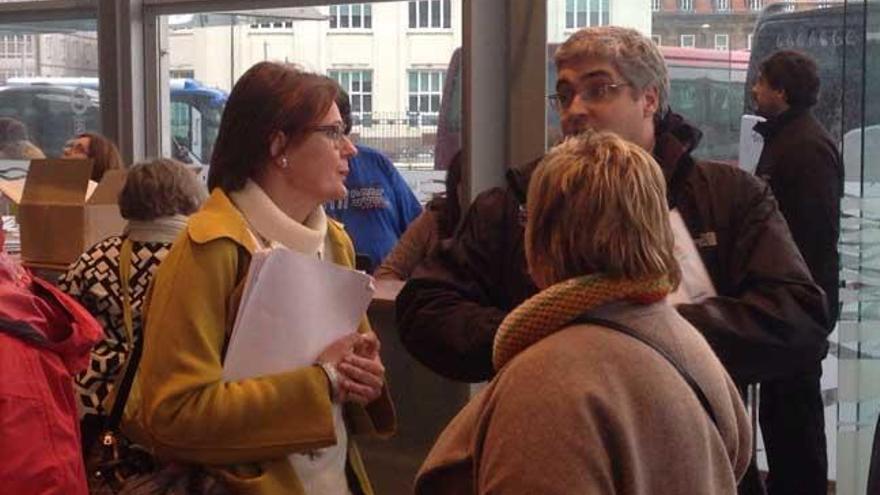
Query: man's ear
x=277, y=144
x=652, y=101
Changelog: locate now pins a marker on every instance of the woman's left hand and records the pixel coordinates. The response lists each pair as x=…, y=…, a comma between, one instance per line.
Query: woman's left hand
x=361, y=378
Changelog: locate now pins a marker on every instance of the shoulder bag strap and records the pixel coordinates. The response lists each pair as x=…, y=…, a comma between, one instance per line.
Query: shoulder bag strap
x=692, y=383
x=134, y=357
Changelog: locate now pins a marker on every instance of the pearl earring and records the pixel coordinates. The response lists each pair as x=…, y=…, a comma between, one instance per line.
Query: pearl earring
x=284, y=163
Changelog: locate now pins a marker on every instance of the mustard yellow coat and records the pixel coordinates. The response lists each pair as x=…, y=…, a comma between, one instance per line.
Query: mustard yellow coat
x=181, y=407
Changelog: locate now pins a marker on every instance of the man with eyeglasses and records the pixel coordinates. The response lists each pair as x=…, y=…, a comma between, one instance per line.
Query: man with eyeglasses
x=769, y=317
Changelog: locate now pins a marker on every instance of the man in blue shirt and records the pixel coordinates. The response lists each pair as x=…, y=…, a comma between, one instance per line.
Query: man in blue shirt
x=379, y=204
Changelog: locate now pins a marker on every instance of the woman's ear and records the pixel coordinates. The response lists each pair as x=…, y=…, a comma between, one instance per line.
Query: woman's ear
x=277, y=144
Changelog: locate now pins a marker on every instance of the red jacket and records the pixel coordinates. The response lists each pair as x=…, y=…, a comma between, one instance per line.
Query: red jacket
x=45, y=338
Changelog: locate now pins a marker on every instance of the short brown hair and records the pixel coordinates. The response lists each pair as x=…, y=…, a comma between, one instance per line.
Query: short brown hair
x=796, y=74
x=270, y=97
x=597, y=204
x=160, y=188
x=104, y=154
x=635, y=56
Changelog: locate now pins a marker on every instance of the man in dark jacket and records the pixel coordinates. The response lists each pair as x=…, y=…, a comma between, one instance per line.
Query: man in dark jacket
x=769, y=319
x=801, y=163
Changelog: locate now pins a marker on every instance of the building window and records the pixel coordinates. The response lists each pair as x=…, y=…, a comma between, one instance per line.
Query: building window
x=656, y=39
x=359, y=85
x=756, y=4
x=425, y=90
x=749, y=42
x=352, y=16
x=722, y=5
x=686, y=5
x=688, y=41
x=273, y=24
x=16, y=46
x=430, y=14
x=722, y=42
x=656, y=5
x=586, y=13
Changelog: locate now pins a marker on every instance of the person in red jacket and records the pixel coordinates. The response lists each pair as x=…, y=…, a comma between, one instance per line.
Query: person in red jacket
x=45, y=338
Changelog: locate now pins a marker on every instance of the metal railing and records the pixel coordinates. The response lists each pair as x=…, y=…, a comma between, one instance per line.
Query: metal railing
x=407, y=138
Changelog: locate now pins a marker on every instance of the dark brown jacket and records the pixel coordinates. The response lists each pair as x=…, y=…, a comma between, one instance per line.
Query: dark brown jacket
x=768, y=320
x=804, y=170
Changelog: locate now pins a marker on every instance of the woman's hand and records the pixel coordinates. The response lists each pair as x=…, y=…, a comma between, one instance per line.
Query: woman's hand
x=361, y=379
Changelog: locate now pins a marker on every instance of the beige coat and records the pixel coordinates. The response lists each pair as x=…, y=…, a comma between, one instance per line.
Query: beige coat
x=589, y=410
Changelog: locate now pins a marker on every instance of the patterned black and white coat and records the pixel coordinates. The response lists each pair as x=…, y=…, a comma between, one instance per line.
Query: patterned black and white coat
x=94, y=281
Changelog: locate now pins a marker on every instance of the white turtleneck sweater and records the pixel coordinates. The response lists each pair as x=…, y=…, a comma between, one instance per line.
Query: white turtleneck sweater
x=321, y=471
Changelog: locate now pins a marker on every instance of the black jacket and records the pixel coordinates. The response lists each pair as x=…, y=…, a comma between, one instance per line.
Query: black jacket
x=805, y=172
x=769, y=318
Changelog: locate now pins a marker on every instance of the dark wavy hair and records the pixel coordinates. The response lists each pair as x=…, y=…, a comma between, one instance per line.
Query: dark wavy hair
x=104, y=154
x=796, y=74
x=270, y=97
x=160, y=188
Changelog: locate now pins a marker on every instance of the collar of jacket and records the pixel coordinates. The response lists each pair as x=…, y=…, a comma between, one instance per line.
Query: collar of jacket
x=771, y=127
x=518, y=178
x=219, y=218
x=674, y=140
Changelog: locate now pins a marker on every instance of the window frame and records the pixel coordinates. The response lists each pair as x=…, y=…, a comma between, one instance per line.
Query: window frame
x=359, y=117
x=365, y=14
x=419, y=118
x=444, y=15
x=692, y=37
x=591, y=10
x=726, y=46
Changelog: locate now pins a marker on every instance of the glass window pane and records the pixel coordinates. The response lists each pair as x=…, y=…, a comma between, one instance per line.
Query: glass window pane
x=368, y=103
x=423, y=105
x=424, y=83
x=447, y=14
x=435, y=82
x=435, y=103
x=435, y=13
x=413, y=16
x=368, y=16
x=413, y=81
x=423, y=14
x=413, y=103
x=356, y=15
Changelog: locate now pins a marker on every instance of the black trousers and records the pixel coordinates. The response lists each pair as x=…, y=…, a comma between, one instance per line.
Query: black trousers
x=792, y=419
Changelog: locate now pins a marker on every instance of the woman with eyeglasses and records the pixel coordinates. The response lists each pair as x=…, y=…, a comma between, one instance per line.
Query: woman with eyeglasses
x=281, y=153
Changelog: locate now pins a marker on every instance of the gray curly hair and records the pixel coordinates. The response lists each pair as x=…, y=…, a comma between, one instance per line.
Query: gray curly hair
x=634, y=56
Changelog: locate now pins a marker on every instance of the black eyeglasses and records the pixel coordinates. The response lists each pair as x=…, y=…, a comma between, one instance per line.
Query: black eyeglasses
x=592, y=92
x=334, y=132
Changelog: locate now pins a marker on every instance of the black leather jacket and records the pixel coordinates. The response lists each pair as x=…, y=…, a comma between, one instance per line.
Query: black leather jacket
x=769, y=319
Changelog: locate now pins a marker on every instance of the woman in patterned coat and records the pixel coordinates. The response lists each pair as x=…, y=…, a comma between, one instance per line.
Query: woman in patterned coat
x=156, y=200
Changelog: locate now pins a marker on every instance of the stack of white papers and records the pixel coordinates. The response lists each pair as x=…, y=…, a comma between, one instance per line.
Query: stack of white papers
x=292, y=308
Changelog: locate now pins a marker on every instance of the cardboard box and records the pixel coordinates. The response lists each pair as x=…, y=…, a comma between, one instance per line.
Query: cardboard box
x=61, y=215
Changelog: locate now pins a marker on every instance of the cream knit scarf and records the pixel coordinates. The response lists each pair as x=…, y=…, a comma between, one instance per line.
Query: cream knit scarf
x=551, y=309
x=272, y=224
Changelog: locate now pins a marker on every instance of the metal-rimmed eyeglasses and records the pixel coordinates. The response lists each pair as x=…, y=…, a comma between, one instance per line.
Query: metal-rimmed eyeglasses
x=334, y=132
x=591, y=92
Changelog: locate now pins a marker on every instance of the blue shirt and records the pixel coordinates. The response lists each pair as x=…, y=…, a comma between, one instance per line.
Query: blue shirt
x=378, y=207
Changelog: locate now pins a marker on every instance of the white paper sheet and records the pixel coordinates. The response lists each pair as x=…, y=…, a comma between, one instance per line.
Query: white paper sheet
x=695, y=283
x=292, y=308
